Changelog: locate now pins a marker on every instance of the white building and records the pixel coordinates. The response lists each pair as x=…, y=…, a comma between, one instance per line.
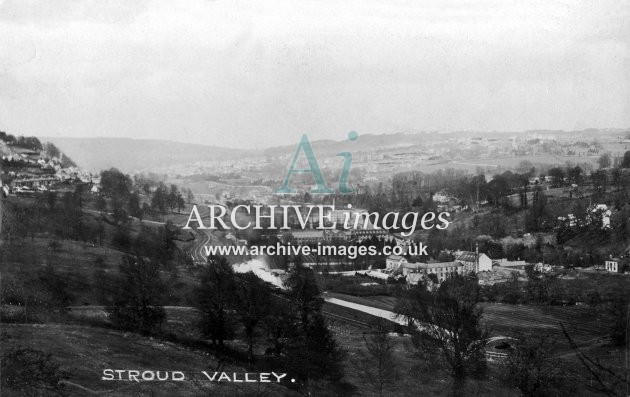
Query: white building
x=394, y=262
x=442, y=270
x=474, y=262
x=613, y=265
x=440, y=197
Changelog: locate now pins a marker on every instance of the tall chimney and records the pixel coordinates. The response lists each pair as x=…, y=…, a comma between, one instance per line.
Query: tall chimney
x=476, y=257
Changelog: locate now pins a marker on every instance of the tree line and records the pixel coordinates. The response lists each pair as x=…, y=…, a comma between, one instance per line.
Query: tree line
x=289, y=324
x=126, y=195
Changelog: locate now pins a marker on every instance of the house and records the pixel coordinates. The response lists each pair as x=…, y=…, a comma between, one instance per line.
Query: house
x=440, y=197
x=613, y=265
x=393, y=263
x=474, y=262
x=604, y=212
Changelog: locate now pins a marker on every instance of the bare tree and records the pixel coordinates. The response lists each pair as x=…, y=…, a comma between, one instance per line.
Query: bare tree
x=377, y=364
x=215, y=299
x=531, y=367
x=137, y=301
x=447, y=323
x=252, y=305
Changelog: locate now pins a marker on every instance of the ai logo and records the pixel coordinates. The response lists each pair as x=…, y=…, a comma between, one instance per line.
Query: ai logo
x=313, y=168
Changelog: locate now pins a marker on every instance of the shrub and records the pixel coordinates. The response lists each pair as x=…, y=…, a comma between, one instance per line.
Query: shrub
x=31, y=372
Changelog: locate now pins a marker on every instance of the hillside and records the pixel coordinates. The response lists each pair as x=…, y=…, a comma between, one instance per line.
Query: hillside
x=83, y=352
x=128, y=155
x=399, y=151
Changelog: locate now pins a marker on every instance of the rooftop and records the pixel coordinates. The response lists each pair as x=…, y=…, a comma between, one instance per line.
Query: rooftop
x=467, y=256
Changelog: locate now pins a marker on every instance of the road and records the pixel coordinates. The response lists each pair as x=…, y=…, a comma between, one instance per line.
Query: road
x=197, y=252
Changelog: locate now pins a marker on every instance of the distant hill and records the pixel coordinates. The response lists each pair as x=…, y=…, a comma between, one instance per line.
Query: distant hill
x=366, y=142
x=129, y=155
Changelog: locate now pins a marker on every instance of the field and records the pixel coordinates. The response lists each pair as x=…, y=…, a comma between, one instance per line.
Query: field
x=587, y=325
x=415, y=377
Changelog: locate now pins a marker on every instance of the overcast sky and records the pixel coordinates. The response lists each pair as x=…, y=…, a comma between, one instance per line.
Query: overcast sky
x=255, y=74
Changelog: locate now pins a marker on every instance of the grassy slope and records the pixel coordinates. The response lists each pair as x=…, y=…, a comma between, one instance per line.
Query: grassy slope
x=85, y=351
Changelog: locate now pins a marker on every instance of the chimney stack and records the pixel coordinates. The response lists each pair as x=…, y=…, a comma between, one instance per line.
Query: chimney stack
x=476, y=257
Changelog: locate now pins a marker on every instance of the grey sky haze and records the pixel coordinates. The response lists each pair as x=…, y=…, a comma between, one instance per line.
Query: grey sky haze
x=256, y=74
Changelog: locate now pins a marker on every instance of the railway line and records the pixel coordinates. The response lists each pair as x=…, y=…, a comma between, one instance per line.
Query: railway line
x=337, y=317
